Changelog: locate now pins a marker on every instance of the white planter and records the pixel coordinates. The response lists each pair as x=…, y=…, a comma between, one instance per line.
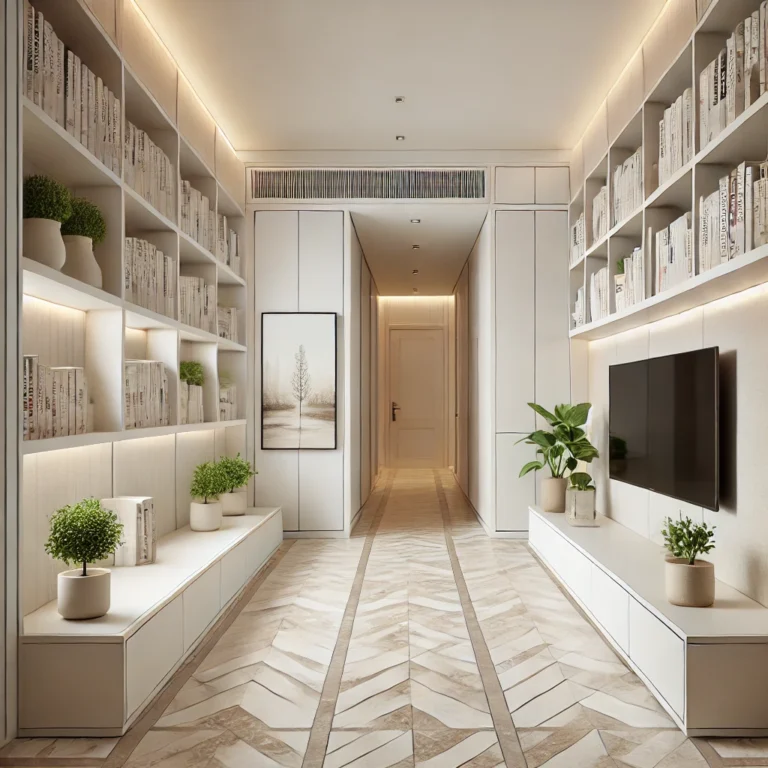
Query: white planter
x=690, y=585
x=580, y=508
x=81, y=263
x=83, y=597
x=233, y=504
x=205, y=517
x=553, y=494
x=43, y=243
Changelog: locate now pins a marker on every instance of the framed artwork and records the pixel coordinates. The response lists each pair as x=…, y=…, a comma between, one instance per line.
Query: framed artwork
x=298, y=381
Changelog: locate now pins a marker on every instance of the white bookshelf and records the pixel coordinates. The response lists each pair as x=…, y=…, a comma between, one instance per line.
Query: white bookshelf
x=742, y=140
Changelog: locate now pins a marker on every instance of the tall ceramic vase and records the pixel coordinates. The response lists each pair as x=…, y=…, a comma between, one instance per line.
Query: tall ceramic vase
x=81, y=263
x=43, y=243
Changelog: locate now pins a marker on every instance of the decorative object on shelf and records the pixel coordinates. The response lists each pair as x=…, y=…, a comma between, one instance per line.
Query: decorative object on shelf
x=192, y=377
x=298, y=380
x=237, y=472
x=84, y=533
x=81, y=231
x=47, y=205
x=619, y=280
x=561, y=448
x=580, y=501
x=227, y=397
x=689, y=581
x=137, y=514
x=207, y=486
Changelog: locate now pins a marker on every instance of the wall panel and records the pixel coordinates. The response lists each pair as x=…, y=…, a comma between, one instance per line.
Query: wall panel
x=513, y=494
x=626, y=97
x=196, y=124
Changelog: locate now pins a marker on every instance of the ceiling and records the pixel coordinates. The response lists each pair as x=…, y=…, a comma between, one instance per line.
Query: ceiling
x=445, y=236
x=475, y=74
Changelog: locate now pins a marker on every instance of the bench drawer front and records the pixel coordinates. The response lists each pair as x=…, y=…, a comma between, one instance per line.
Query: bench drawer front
x=232, y=573
x=202, y=600
x=609, y=604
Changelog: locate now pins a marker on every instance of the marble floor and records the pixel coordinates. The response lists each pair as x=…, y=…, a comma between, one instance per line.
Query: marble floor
x=417, y=642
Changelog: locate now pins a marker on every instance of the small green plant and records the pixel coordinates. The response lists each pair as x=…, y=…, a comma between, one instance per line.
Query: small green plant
x=45, y=198
x=191, y=372
x=620, y=266
x=237, y=472
x=83, y=533
x=86, y=220
x=686, y=539
x=581, y=481
x=208, y=482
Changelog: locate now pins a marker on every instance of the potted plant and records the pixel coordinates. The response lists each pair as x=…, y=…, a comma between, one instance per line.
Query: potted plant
x=207, y=486
x=81, y=231
x=236, y=473
x=580, y=500
x=47, y=205
x=83, y=533
x=561, y=449
x=689, y=580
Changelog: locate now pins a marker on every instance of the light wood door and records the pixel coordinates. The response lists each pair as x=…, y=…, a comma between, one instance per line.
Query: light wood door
x=417, y=392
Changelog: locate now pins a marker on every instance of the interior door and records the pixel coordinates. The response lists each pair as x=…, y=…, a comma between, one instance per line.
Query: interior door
x=417, y=398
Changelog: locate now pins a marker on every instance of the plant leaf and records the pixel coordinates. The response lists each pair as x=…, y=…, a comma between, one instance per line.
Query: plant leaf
x=579, y=414
x=529, y=467
x=544, y=413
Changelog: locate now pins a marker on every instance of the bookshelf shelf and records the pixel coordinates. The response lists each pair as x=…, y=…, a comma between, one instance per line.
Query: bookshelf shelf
x=599, y=249
x=227, y=204
x=45, y=283
x=142, y=216
x=743, y=139
x=227, y=277
x=192, y=252
x=680, y=178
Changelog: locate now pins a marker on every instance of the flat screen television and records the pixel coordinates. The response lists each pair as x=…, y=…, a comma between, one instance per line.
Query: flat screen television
x=663, y=425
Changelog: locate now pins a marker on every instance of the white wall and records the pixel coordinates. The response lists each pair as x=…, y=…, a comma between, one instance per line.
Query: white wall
x=737, y=326
x=461, y=311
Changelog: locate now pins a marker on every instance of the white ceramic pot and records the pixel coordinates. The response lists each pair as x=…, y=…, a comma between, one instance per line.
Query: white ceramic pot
x=205, y=517
x=43, y=243
x=690, y=585
x=83, y=597
x=233, y=504
x=580, y=508
x=81, y=263
x=553, y=494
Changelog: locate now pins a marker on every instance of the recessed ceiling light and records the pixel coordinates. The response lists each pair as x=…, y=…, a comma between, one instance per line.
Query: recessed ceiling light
x=415, y=272
x=415, y=221
x=399, y=99
x=400, y=138
x=415, y=247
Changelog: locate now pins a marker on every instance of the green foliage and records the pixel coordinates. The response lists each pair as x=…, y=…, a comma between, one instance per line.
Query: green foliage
x=86, y=220
x=191, y=372
x=563, y=446
x=83, y=533
x=45, y=198
x=620, y=266
x=687, y=539
x=225, y=380
x=237, y=472
x=581, y=481
x=208, y=482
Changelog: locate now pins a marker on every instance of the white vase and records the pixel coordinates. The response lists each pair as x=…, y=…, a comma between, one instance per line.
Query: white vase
x=553, y=494
x=83, y=597
x=205, y=517
x=690, y=585
x=233, y=504
x=43, y=243
x=81, y=263
x=580, y=508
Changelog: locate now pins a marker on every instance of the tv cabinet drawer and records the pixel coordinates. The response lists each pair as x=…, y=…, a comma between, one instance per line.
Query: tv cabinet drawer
x=609, y=604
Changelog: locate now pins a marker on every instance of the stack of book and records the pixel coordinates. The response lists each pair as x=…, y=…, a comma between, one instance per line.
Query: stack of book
x=630, y=284
x=578, y=239
x=57, y=81
x=227, y=245
x=628, y=186
x=197, y=216
x=579, y=314
x=756, y=225
x=227, y=402
x=228, y=324
x=674, y=254
x=600, y=215
x=676, y=146
x=150, y=277
x=137, y=514
x=149, y=171
x=599, y=299
x=197, y=302
x=147, y=394
x=55, y=400
x=191, y=403
x=734, y=80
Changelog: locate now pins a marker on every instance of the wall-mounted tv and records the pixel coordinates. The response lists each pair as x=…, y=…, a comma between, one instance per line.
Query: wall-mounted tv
x=663, y=425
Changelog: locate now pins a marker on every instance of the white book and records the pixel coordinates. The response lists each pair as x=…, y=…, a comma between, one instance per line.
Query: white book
x=723, y=218
x=49, y=64
x=739, y=65
x=84, y=113
x=749, y=181
x=61, y=68
x=38, y=60
x=130, y=513
x=92, y=114
x=739, y=235
x=29, y=50
x=69, y=93
x=730, y=92
x=40, y=403
x=117, y=141
x=49, y=402
x=77, y=99
x=109, y=138
x=763, y=26
x=100, y=114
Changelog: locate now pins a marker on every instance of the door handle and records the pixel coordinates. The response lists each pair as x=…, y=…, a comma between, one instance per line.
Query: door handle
x=395, y=408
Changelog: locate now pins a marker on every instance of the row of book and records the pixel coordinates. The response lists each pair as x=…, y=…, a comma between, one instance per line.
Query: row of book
x=192, y=411
x=150, y=277
x=629, y=284
x=676, y=144
x=579, y=308
x=578, y=239
x=734, y=80
x=197, y=303
x=227, y=245
x=227, y=402
x=147, y=394
x=674, y=254
x=599, y=296
x=198, y=217
x=628, y=186
x=57, y=81
x=149, y=171
x=55, y=400
x=137, y=514
x=600, y=225
x=227, y=317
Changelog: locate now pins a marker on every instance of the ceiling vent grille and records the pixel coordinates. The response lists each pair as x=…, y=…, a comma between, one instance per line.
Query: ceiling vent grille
x=368, y=184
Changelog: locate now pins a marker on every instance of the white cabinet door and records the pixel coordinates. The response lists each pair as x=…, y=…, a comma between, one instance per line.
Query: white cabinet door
x=513, y=494
x=552, y=186
x=609, y=604
x=202, y=600
x=233, y=566
x=515, y=186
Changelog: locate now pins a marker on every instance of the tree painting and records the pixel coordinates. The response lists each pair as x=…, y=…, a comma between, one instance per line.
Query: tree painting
x=301, y=381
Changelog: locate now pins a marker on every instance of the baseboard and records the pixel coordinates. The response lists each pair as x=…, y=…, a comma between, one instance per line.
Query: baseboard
x=315, y=535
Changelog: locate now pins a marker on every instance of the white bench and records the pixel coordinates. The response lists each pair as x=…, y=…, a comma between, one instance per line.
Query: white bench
x=708, y=667
x=93, y=678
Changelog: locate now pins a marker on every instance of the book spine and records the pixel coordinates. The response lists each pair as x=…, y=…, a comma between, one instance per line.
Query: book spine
x=749, y=181
x=723, y=219
x=77, y=99
x=29, y=51
x=84, y=81
x=71, y=402
x=81, y=402
x=61, y=68
x=92, y=113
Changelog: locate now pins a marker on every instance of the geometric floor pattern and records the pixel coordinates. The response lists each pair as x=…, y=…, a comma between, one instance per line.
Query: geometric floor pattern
x=411, y=691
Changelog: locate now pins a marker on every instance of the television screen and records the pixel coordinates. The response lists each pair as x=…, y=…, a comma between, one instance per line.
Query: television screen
x=663, y=425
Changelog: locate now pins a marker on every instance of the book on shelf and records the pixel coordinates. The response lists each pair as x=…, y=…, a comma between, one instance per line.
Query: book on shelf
x=197, y=216
x=227, y=244
x=197, y=303
x=600, y=215
x=227, y=402
x=192, y=409
x=629, y=286
x=227, y=323
x=628, y=186
x=578, y=239
x=147, y=394
x=599, y=300
x=676, y=144
x=137, y=514
x=150, y=277
x=674, y=254
x=579, y=308
x=148, y=171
